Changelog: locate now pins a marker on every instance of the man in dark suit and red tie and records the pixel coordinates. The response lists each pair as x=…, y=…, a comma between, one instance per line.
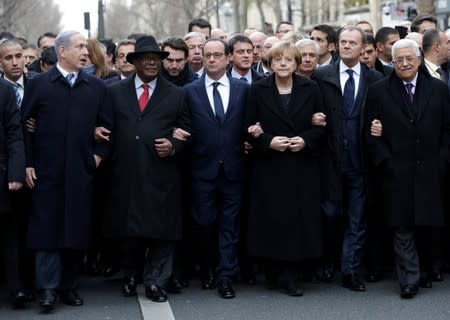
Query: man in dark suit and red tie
x=216, y=103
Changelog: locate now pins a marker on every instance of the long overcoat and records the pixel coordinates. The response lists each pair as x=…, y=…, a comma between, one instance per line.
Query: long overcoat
x=145, y=190
x=12, y=153
x=284, y=215
x=61, y=150
x=408, y=154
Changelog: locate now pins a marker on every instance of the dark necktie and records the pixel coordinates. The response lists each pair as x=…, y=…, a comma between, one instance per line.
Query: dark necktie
x=218, y=104
x=349, y=92
x=409, y=87
x=71, y=78
x=18, y=97
x=442, y=74
x=244, y=79
x=143, y=99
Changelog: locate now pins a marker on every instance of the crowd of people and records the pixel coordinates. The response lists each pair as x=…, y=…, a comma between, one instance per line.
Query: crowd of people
x=221, y=156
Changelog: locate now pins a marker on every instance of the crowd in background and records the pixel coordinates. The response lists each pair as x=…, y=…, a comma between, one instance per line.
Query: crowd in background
x=221, y=157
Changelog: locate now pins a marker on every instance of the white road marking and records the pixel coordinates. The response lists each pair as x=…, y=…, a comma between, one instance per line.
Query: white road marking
x=154, y=310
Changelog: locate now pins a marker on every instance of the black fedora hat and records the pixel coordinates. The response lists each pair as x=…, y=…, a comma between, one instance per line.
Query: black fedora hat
x=146, y=44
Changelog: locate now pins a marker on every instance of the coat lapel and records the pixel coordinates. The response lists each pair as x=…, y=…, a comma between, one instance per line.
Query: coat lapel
x=422, y=94
x=272, y=99
x=398, y=92
x=130, y=95
x=299, y=96
x=157, y=95
x=203, y=97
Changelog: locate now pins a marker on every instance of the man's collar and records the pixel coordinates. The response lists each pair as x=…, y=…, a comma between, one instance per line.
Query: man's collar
x=138, y=82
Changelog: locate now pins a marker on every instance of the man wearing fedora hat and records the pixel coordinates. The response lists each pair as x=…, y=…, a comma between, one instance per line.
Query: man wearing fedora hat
x=144, y=208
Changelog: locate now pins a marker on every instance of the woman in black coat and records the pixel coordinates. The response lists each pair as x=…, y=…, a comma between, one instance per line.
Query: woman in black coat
x=284, y=217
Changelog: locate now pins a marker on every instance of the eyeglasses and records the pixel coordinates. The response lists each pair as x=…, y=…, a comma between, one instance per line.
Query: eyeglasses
x=216, y=55
x=409, y=60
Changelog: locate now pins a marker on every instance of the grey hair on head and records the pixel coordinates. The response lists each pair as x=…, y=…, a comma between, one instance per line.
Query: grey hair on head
x=406, y=43
x=302, y=43
x=63, y=39
x=194, y=34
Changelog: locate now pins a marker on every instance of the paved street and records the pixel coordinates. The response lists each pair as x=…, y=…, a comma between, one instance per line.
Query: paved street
x=321, y=301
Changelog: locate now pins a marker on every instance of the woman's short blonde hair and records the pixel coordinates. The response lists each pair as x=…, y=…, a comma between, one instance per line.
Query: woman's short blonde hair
x=280, y=47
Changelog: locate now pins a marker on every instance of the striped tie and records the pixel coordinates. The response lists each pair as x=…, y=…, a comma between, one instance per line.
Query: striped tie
x=17, y=91
x=71, y=78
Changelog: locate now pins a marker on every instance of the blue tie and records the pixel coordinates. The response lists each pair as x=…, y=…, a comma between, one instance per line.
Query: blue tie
x=349, y=92
x=18, y=97
x=244, y=79
x=70, y=77
x=218, y=105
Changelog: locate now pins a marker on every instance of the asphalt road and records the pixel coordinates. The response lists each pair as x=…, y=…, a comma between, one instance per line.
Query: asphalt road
x=103, y=301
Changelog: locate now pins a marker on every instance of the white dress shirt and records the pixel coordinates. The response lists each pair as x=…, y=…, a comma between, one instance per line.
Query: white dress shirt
x=223, y=88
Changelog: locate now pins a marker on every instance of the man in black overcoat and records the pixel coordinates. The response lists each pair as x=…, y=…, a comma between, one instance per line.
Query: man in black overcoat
x=413, y=108
x=144, y=209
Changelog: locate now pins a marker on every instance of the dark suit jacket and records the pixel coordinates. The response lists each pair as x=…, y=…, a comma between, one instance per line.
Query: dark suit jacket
x=328, y=79
x=112, y=80
x=213, y=143
x=145, y=189
x=408, y=154
x=255, y=75
x=62, y=152
x=12, y=153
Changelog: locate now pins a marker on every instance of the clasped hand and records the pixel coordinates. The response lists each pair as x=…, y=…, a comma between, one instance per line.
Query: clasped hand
x=282, y=144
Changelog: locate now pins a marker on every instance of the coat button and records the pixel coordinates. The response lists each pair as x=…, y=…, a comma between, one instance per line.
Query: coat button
x=411, y=121
x=418, y=140
x=137, y=137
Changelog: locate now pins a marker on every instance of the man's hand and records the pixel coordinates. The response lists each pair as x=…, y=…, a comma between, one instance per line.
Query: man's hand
x=280, y=143
x=296, y=144
x=180, y=134
x=163, y=147
x=14, y=185
x=319, y=119
x=30, y=177
x=376, y=129
x=101, y=134
x=98, y=159
x=255, y=130
x=30, y=124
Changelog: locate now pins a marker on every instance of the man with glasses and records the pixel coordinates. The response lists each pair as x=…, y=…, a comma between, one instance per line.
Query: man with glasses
x=216, y=103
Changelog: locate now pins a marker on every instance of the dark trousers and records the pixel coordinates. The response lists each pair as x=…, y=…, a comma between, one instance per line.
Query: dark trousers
x=355, y=231
x=58, y=269
x=406, y=257
x=9, y=239
x=158, y=259
x=216, y=204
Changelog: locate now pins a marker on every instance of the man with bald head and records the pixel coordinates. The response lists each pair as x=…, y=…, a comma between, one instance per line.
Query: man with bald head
x=219, y=33
x=262, y=66
x=257, y=38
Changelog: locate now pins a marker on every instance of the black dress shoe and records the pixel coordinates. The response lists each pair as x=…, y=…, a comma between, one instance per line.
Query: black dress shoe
x=208, y=282
x=47, y=299
x=352, y=282
x=174, y=285
x=408, y=291
x=110, y=270
x=156, y=293
x=294, y=291
x=19, y=299
x=436, y=276
x=374, y=276
x=425, y=283
x=225, y=289
x=129, y=286
x=71, y=298
x=328, y=272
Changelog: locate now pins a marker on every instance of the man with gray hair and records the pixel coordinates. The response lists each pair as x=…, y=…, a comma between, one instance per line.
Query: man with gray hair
x=61, y=158
x=412, y=107
x=309, y=51
x=195, y=42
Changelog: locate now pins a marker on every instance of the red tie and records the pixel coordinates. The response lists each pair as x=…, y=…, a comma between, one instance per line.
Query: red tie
x=143, y=99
